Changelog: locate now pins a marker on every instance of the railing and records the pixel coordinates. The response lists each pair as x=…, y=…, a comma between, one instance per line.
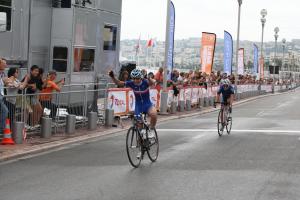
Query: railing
x=80, y=100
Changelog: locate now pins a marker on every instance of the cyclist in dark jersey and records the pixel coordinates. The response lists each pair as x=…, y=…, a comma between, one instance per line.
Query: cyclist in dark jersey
x=141, y=89
x=227, y=92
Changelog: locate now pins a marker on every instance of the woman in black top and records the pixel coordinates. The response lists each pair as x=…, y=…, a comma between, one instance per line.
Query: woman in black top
x=34, y=84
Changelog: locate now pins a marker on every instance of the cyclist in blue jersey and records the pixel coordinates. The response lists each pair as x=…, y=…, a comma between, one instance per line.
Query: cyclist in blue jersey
x=141, y=89
x=227, y=91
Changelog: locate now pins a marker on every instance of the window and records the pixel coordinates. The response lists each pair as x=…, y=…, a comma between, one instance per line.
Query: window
x=61, y=3
x=84, y=60
x=86, y=3
x=5, y=15
x=110, y=38
x=60, y=59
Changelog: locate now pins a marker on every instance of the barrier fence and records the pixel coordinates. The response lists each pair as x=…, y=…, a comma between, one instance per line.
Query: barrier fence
x=76, y=104
x=122, y=101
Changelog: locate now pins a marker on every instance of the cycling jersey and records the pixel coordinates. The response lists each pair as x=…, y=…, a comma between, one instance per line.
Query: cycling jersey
x=226, y=93
x=142, y=96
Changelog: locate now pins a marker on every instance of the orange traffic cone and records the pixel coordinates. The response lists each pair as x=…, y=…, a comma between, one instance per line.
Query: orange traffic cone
x=7, y=139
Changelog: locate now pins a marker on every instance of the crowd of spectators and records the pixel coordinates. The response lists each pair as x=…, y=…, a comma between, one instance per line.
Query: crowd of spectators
x=197, y=78
x=32, y=94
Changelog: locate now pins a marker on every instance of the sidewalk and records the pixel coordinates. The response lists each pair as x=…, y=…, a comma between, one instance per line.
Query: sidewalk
x=35, y=144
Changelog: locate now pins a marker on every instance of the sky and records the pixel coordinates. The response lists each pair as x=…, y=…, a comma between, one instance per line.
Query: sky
x=148, y=18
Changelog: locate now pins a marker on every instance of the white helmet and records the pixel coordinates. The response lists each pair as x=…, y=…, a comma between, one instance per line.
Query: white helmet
x=136, y=73
x=225, y=82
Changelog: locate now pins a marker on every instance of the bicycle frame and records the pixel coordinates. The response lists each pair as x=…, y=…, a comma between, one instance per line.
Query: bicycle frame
x=224, y=110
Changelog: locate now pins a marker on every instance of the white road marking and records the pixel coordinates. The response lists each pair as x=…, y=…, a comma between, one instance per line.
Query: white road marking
x=199, y=137
x=260, y=114
x=233, y=130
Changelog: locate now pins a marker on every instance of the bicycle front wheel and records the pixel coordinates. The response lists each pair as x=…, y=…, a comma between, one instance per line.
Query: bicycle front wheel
x=220, y=124
x=134, y=147
x=229, y=124
x=153, y=148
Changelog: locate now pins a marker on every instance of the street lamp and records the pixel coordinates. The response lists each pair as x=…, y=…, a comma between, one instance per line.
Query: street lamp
x=238, y=42
x=263, y=20
x=283, y=48
x=276, y=30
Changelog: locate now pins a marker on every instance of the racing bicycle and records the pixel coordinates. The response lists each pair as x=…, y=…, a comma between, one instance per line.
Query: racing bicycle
x=224, y=118
x=138, y=141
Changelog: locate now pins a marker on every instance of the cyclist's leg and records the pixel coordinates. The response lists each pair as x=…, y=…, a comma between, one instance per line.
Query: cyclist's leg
x=137, y=112
x=153, y=116
x=223, y=100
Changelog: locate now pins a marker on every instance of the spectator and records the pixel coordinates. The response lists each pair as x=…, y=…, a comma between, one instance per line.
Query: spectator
x=34, y=85
x=124, y=76
x=159, y=78
x=144, y=72
x=175, y=76
x=181, y=78
x=3, y=108
x=151, y=75
x=13, y=100
x=46, y=93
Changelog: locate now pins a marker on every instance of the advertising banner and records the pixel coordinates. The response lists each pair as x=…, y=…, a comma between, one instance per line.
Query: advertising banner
x=171, y=32
x=207, y=51
x=255, y=59
x=117, y=101
x=131, y=101
x=241, y=61
x=228, y=52
x=261, y=67
x=154, y=98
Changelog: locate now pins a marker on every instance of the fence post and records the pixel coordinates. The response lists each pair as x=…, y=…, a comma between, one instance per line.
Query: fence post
x=109, y=117
x=70, y=124
x=188, y=105
x=46, y=128
x=18, y=129
x=173, y=107
x=92, y=120
x=181, y=106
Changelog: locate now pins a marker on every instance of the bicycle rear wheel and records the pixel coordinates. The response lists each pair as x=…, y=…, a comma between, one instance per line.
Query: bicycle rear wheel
x=220, y=124
x=229, y=123
x=134, y=147
x=153, y=148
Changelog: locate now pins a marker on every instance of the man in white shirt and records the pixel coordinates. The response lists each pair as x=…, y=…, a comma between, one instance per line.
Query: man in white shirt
x=3, y=108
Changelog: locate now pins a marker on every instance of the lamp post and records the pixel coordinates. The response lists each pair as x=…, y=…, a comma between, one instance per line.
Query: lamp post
x=238, y=42
x=276, y=30
x=283, y=51
x=263, y=20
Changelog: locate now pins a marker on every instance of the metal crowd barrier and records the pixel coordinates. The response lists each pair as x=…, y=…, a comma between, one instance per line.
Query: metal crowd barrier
x=78, y=103
x=74, y=100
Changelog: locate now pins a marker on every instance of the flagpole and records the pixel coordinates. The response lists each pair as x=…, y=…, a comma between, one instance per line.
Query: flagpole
x=164, y=94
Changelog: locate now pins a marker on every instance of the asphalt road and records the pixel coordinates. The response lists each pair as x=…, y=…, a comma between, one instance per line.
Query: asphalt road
x=259, y=160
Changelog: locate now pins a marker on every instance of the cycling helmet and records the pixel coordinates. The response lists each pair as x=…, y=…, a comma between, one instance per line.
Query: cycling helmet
x=136, y=73
x=225, y=82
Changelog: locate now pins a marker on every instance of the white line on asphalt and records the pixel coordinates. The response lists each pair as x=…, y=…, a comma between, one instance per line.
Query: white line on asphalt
x=236, y=130
x=198, y=137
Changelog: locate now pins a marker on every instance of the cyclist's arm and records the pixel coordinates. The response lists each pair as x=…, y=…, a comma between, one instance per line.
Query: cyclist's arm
x=231, y=99
x=218, y=98
x=218, y=95
x=115, y=80
x=118, y=82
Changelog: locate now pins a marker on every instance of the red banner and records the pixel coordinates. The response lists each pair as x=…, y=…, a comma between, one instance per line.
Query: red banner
x=207, y=51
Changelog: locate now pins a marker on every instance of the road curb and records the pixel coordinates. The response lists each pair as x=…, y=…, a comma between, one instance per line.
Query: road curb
x=97, y=135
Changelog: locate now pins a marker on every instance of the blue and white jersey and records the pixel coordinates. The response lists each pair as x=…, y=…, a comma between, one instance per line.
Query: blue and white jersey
x=226, y=93
x=141, y=92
